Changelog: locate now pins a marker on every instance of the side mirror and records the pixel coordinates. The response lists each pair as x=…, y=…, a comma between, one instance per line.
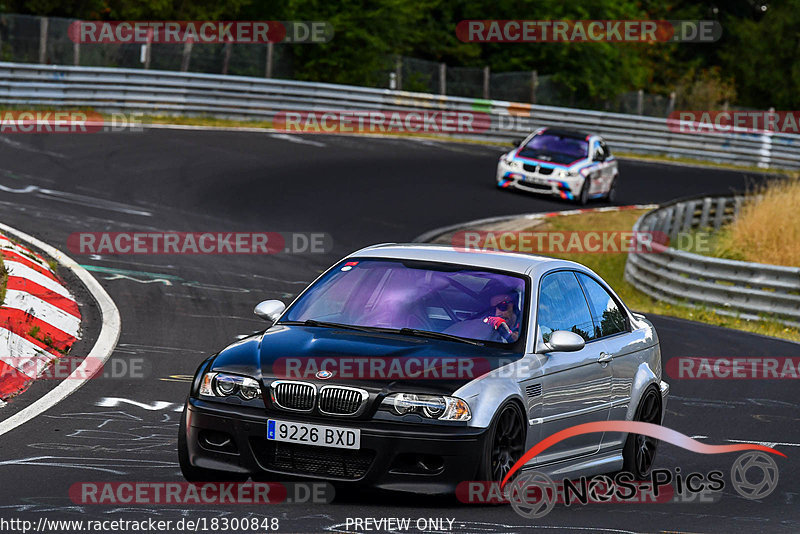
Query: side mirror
x=599, y=156
x=563, y=341
x=516, y=142
x=270, y=310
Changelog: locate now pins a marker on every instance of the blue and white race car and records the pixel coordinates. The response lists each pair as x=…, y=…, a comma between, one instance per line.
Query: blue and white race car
x=564, y=163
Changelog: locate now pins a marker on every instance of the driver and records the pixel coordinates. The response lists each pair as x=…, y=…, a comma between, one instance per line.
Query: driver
x=506, y=317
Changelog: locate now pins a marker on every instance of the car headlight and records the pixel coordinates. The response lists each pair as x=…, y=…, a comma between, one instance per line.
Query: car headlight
x=569, y=174
x=429, y=406
x=514, y=164
x=225, y=385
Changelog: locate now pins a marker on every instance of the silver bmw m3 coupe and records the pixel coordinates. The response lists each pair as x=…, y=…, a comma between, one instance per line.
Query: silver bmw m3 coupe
x=416, y=367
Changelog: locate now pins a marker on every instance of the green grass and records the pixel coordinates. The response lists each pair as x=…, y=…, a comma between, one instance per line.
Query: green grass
x=3, y=280
x=611, y=267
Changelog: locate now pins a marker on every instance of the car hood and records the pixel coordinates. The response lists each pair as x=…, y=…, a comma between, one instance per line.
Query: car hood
x=370, y=360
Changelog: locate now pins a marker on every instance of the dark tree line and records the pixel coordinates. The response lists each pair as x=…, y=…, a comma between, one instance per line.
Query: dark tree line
x=754, y=64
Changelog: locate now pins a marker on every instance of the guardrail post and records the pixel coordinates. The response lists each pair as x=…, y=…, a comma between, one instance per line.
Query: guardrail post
x=398, y=73
x=227, y=57
x=676, y=223
x=268, y=73
x=43, y=23
x=442, y=79
x=640, y=102
x=765, y=152
x=76, y=54
x=688, y=216
x=534, y=85
x=671, y=104
x=187, y=55
x=486, y=74
x=704, y=214
x=719, y=213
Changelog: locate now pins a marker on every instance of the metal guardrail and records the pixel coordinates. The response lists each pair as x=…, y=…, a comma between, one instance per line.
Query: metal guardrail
x=738, y=288
x=238, y=97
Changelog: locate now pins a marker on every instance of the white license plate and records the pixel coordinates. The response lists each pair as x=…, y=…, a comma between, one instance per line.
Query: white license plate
x=537, y=181
x=319, y=435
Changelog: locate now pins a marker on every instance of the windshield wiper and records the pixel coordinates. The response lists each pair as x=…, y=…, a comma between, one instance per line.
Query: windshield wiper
x=326, y=324
x=437, y=335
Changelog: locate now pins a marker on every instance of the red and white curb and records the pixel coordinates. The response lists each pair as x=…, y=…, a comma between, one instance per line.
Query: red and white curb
x=110, y=328
x=39, y=319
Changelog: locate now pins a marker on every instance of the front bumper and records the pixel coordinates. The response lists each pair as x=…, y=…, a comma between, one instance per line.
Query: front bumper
x=393, y=456
x=553, y=184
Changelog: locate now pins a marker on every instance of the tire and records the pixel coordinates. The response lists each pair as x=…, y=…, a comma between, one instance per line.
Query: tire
x=583, y=197
x=611, y=196
x=198, y=474
x=505, y=443
x=639, y=452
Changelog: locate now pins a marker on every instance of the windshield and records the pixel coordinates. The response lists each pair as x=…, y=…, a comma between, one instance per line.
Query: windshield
x=395, y=294
x=556, y=148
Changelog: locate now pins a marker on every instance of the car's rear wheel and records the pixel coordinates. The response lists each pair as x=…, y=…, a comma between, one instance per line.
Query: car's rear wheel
x=611, y=196
x=505, y=443
x=639, y=452
x=583, y=197
x=198, y=474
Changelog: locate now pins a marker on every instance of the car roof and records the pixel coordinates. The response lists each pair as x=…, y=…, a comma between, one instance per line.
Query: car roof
x=506, y=261
x=575, y=134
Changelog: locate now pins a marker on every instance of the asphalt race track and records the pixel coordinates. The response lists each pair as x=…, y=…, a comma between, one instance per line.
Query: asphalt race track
x=178, y=309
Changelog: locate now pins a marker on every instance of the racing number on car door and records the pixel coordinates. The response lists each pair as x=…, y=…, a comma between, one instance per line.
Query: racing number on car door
x=576, y=388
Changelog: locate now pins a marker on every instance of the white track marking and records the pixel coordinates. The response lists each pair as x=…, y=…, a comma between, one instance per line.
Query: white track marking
x=22, y=146
x=75, y=198
x=21, y=270
x=101, y=351
x=56, y=317
x=295, y=139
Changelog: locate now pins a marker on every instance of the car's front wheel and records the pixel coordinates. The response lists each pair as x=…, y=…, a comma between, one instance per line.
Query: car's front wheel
x=198, y=474
x=505, y=443
x=639, y=452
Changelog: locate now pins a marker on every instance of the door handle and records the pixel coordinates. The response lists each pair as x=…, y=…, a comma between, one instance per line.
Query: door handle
x=604, y=357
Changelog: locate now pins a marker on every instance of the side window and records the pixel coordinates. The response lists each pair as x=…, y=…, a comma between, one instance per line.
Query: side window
x=562, y=306
x=608, y=318
x=599, y=152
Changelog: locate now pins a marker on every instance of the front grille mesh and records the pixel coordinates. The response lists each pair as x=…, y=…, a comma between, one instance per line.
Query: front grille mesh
x=340, y=401
x=530, y=168
x=309, y=460
x=294, y=395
